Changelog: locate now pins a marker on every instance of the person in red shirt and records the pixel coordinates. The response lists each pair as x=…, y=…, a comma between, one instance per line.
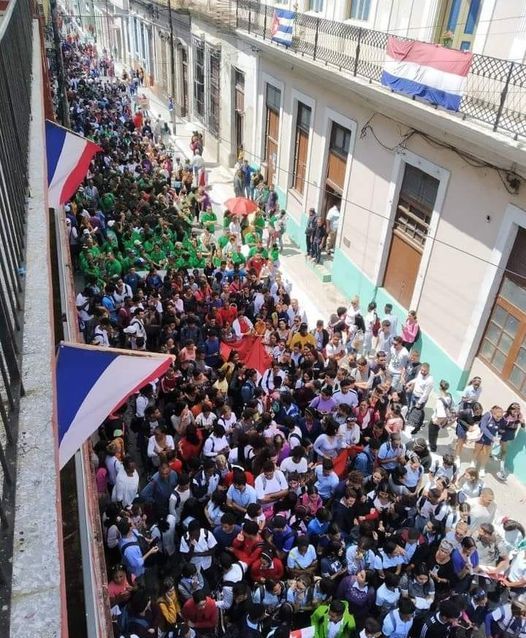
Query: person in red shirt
x=266, y=567
x=248, y=544
x=201, y=611
x=256, y=263
x=190, y=444
x=227, y=314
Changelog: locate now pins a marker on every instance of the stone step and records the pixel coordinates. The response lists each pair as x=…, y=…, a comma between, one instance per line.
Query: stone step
x=322, y=271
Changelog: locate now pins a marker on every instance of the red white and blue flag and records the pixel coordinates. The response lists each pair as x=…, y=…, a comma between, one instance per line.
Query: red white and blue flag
x=68, y=159
x=91, y=383
x=282, y=26
x=429, y=71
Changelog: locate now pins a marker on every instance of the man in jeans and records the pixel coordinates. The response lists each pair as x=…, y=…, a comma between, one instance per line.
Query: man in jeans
x=320, y=233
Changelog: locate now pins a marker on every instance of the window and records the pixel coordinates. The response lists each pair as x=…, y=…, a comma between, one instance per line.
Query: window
x=199, y=78
x=360, y=9
x=315, y=5
x=415, y=206
x=340, y=140
x=411, y=226
x=301, y=145
x=503, y=346
x=273, y=98
x=214, y=57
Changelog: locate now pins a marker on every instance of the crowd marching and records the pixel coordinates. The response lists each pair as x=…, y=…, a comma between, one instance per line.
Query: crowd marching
x=298, y=496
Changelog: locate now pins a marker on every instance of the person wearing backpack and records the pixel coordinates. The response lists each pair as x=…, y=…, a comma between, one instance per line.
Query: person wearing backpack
x=133, y=549
x=398, y=622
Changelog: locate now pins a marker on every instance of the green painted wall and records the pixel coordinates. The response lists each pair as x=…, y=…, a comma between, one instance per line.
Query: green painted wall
x=296, y=231
x=348, y=277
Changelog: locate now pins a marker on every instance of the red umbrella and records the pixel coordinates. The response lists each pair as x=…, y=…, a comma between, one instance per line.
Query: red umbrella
x=241, y=206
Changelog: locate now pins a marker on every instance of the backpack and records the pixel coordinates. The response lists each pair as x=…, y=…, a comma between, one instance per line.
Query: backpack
x=415, y=417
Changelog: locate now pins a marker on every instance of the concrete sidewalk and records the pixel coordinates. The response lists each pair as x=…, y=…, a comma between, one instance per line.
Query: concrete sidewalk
x=320, y=299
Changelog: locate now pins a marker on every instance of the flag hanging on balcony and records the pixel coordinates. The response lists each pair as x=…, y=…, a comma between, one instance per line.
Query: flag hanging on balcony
x=93, y=382
x=68, y=159
x=429, y=71
x=282, y=26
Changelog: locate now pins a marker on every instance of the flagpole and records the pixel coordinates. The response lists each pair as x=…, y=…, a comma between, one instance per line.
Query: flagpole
x=133, y=353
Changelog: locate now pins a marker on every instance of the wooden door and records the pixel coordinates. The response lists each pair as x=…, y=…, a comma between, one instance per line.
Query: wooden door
x=271, y=151
x=184, y=77
x=401, y=272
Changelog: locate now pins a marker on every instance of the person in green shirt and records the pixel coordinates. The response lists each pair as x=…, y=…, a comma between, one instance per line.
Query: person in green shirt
x=107, y=202
x=258, y=248
x=208, y=219
x=334, y=621
x=274, y=254
x=113, y=265
x=238, y=258
x=250, y=238
x=157, y=256
x=197, y=261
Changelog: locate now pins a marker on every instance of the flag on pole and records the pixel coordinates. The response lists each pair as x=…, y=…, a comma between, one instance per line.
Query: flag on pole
x=68, y=159
x=429, y=71
x=282, y=26
x=91, y=383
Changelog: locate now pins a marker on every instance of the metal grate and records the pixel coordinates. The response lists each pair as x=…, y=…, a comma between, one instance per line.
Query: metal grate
x=495, y=92
x=15, y=83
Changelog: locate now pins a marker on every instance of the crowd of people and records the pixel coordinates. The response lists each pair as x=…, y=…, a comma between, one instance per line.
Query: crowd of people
x=299, y=496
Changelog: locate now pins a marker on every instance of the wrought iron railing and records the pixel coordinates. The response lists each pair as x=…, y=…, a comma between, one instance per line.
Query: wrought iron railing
x=15, y=95
x=495, y=92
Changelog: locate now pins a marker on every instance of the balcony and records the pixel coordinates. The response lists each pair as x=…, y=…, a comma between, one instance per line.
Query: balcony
x=495, y=94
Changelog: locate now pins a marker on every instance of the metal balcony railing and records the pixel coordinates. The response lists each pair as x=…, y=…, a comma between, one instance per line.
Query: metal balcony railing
x=15, y=95
x=496, y=89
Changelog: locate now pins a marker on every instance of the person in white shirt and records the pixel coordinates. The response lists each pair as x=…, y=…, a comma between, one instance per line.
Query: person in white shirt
x=335, y=349
x=159, y=443
x=398, y=622
x=216, y=443
x=242, y=326
x=302, y=559
x=332, y=219
x=271, y=485
x=296, y=463
x=233, y=572
x=385, y=337
x=179, y=496
x=197, y=545
x=126, y=483
x=113, y=464
x=399, y=358
x=393, y=319
x=349, y=432
x=137, y=331
x=101, y=334
x=420, y=387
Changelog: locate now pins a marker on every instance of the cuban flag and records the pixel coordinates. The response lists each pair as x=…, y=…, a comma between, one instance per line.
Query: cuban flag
x=282, y=26
x=68, y=159
x=91, y=383
x=429, y=71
